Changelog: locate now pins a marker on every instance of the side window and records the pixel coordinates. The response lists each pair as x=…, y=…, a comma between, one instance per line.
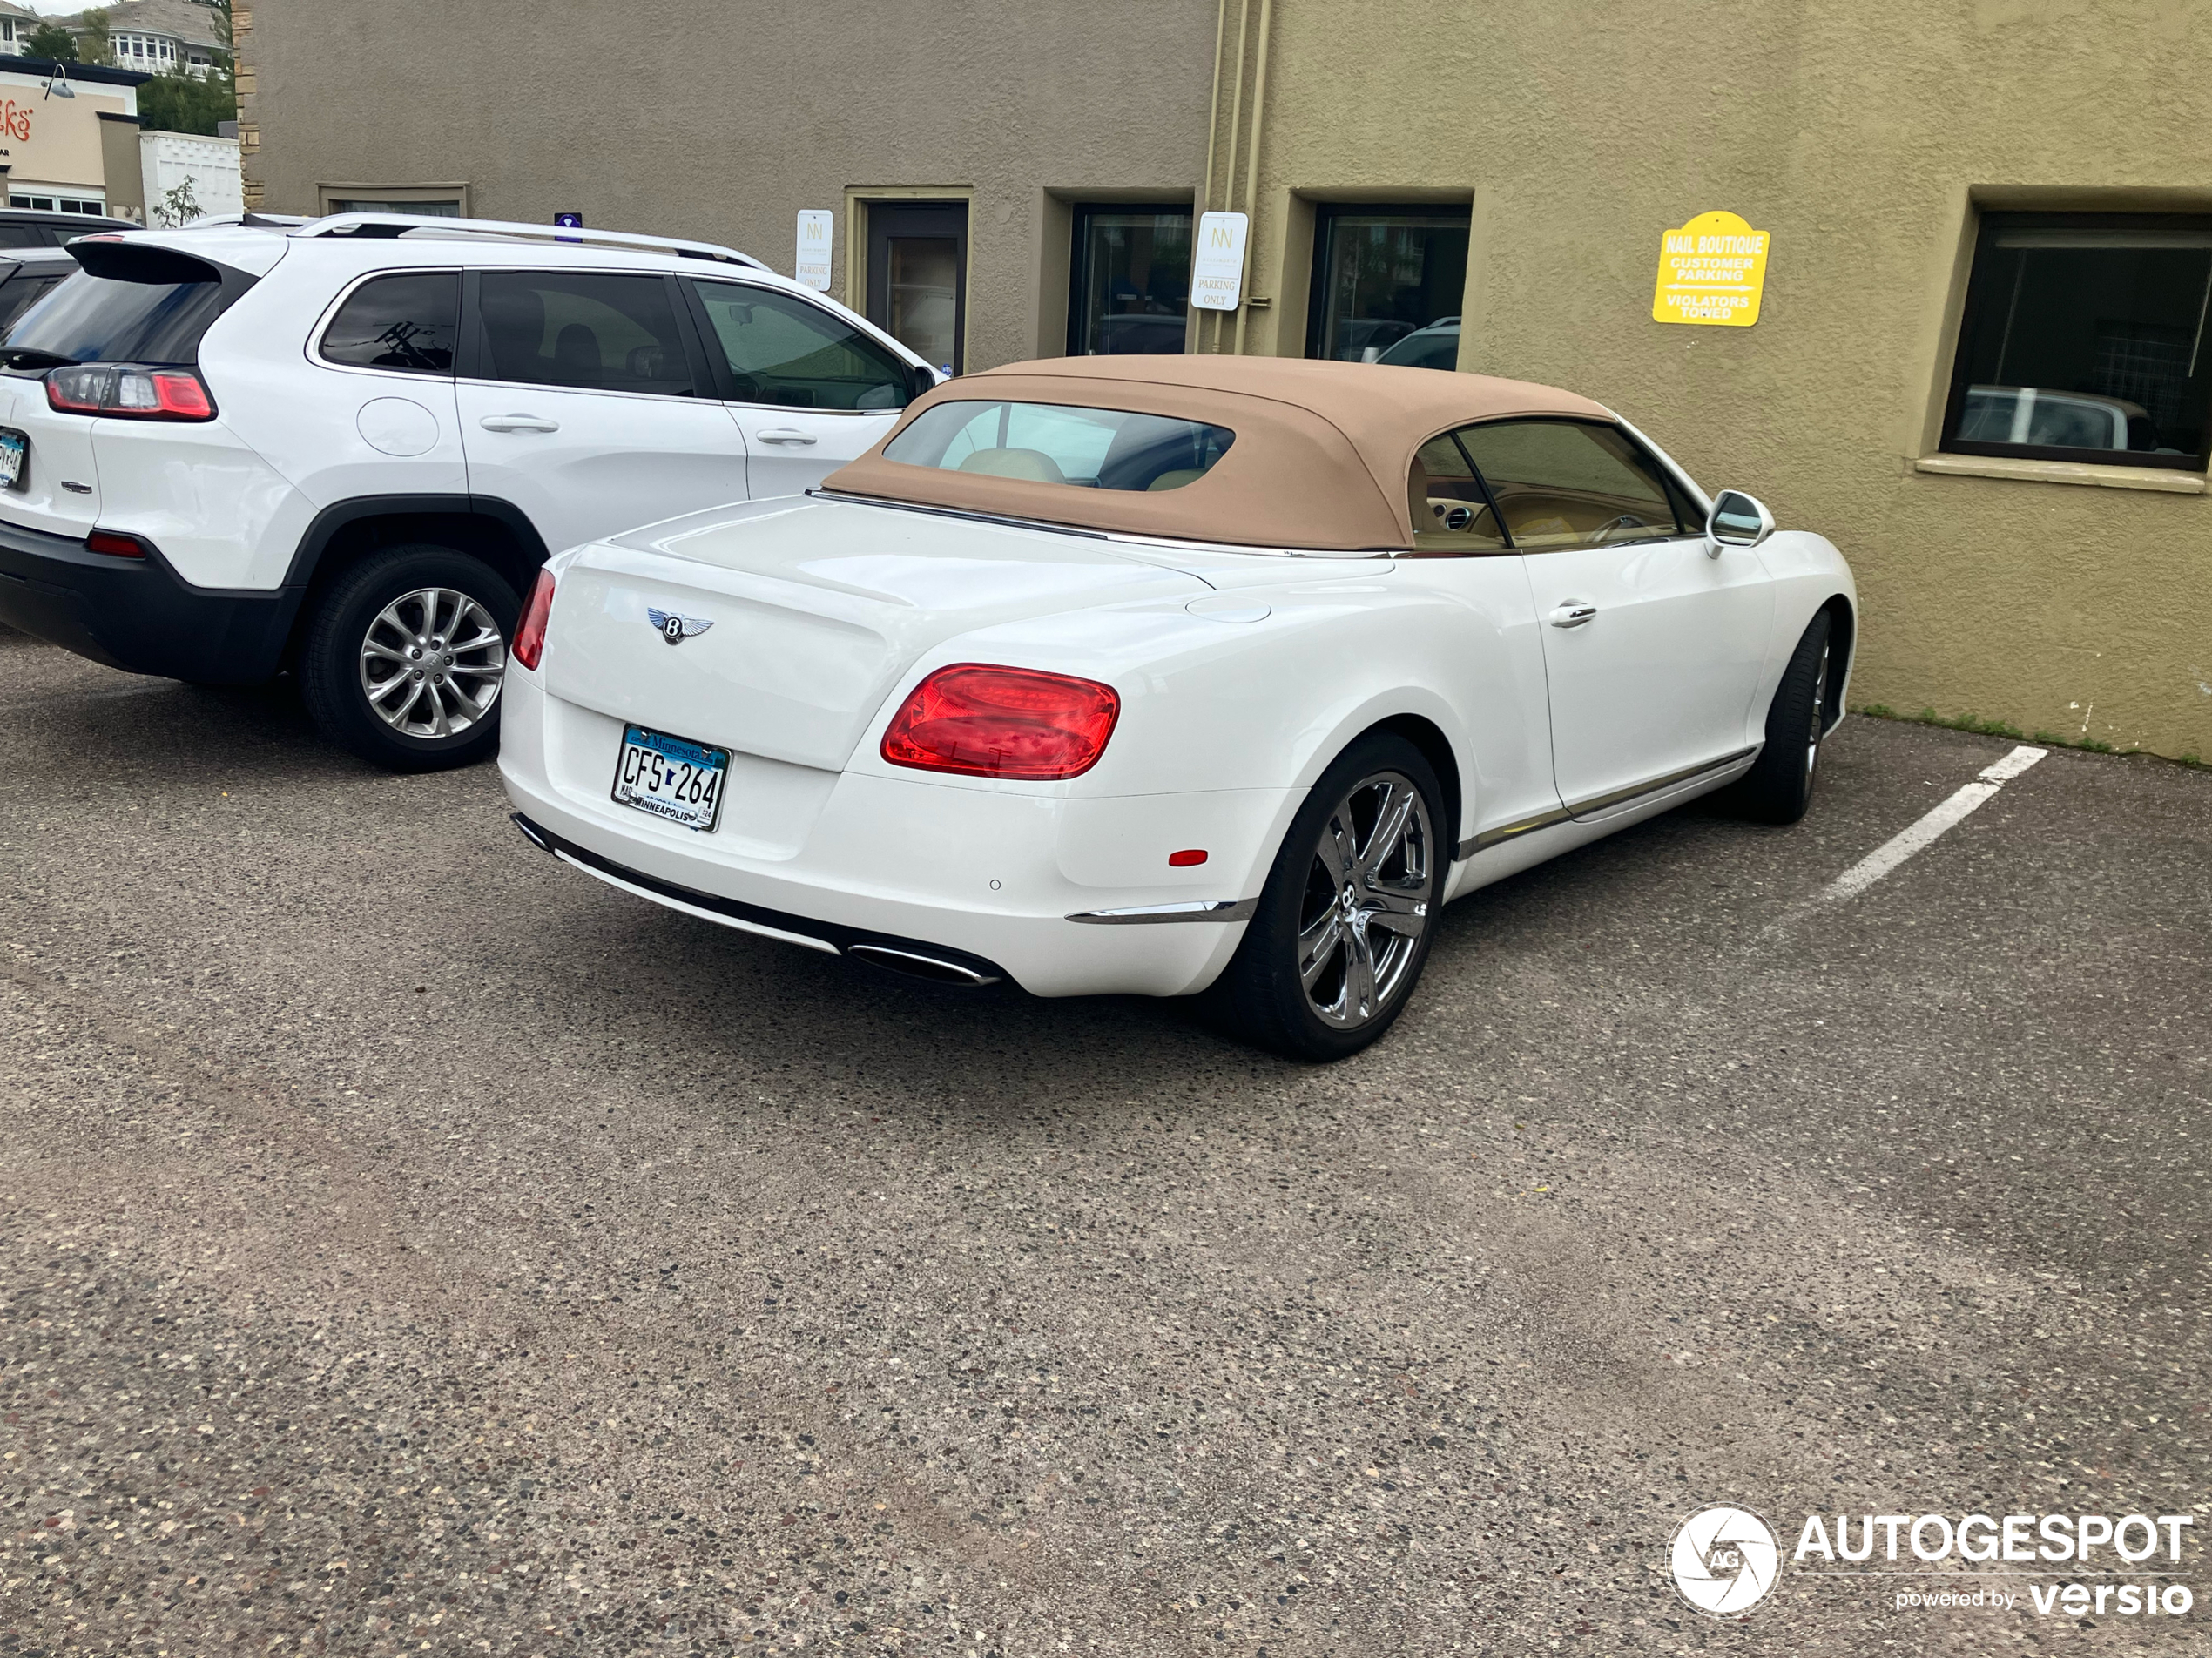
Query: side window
x=785, y=350
x=1451, y=514
x=1571, y=484
x=601, y=333
x=18, y=294
x=404, y=322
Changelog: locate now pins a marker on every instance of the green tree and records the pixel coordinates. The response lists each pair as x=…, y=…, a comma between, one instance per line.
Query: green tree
x=52, y=42
x=179, y=102
x=94, y=47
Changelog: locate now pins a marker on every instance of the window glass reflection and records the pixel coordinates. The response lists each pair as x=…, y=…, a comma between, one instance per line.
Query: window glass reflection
x=1382, y=276
x=1132, y=282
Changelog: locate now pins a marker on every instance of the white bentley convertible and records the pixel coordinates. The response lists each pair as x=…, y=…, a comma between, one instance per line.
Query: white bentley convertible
x=1170, y=674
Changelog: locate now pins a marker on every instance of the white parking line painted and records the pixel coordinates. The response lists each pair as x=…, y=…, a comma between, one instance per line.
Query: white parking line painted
x=1901, y=846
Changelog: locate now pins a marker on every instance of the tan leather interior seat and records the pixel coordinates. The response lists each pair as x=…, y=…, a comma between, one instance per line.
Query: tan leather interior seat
x=1176, y=479
x=1033, y=464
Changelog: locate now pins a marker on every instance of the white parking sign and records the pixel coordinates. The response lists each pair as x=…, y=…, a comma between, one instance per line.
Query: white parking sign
x=814, y=234
x=1217, y=262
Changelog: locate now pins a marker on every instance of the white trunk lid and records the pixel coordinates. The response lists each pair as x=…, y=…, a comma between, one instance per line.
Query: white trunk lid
x=812, y=610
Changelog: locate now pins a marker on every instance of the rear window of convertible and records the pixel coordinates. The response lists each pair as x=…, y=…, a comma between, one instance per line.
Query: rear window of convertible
x=1092, y=448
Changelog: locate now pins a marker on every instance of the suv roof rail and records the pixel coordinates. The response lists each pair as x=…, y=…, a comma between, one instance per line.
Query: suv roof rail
x=243, y=221
x=437, y=225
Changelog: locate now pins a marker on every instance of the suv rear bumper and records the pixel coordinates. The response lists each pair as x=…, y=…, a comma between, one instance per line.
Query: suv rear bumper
x=137, y=613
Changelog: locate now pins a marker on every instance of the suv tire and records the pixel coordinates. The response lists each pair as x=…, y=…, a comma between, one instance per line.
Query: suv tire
x=387, y=671
x=1350, y=906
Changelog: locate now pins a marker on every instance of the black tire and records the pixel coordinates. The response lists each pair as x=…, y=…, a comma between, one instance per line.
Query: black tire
x=1262, y=995
x=1779, y=786
x=336, y=659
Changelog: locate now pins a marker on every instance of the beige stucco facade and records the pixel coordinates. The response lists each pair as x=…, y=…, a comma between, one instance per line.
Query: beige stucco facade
x=1863, y=137
x=721, y=123
x=60, y=145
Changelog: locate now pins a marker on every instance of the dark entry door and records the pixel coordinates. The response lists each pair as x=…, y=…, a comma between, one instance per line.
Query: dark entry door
x=918, y=276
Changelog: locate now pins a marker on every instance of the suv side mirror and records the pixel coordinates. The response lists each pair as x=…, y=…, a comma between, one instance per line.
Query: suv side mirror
x=920, y=379
x=1738, y=520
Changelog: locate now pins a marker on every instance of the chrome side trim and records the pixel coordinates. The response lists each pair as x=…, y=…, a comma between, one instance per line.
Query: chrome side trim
x=1505, y=831
x=1688, y=774
x=692, y=909
x=1212, y=909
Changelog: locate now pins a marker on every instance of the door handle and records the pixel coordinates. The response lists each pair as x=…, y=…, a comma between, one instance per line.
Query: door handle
x=1573, y=614
x=518, y=423
x=785, y=435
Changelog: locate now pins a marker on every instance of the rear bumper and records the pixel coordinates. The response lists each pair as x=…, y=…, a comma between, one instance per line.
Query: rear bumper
x=980, y=878
x=919, y=957
x=137, y=613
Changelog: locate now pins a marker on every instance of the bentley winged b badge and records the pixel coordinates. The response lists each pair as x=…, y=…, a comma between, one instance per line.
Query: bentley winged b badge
x=677, y=629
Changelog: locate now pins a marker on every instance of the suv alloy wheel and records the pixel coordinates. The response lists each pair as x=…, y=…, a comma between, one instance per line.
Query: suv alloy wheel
x=405, y=657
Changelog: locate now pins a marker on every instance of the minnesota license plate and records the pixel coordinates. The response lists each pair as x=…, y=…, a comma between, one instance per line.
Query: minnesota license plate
x=678, y=781
x=14, y=446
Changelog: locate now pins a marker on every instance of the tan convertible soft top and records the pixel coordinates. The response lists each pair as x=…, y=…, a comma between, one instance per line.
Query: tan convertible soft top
x=1320, y=460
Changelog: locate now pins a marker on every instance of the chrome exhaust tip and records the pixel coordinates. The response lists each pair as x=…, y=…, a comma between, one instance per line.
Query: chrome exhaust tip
x=915, y=965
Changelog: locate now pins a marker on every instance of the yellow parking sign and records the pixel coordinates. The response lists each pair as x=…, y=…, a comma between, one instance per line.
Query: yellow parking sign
x=1711, y=271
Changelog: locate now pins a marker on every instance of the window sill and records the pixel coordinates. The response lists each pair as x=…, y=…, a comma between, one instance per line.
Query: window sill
x=2108, y=477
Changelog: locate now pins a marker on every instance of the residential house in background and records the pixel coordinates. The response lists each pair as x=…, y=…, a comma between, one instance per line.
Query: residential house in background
x=16, y=23
x=158, y=37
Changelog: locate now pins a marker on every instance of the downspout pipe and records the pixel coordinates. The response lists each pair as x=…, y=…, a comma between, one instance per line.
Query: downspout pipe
x=1251, y=160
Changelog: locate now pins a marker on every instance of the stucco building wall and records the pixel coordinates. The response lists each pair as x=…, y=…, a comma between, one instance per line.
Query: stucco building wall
x=720, y=123
x=1862, y=135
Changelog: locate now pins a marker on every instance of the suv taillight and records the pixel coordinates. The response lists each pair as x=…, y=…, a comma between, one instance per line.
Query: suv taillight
x=529, y=633
x=1003, y=723
x=129, y=392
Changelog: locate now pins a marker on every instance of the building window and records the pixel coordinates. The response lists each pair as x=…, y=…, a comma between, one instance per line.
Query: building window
x=1386, y=278
x=449, y=207
x=2084, y=340
x=1132, y=274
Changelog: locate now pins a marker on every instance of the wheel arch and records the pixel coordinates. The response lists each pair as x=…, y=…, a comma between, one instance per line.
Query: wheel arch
x=1843, y=641
x=1436, y=748
x=342, y=535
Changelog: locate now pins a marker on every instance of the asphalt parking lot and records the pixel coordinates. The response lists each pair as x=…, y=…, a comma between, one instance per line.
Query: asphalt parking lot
x=410, y=1245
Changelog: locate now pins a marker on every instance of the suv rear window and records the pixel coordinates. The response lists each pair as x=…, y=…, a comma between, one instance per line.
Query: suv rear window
x=147, y=304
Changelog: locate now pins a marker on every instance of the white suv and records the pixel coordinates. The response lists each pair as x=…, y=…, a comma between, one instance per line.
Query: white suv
x=343, y=447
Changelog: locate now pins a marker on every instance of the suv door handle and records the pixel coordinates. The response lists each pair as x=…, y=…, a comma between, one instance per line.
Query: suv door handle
x=785, y=435
x=518, y=423
x=1573, y=614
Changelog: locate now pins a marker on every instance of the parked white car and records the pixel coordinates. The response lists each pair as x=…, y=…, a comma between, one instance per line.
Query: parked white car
x=346, y=446
x=1173, y=674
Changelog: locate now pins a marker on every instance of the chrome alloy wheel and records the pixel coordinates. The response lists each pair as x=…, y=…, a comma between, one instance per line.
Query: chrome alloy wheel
x=1819, y=709
x=432, y=661
x=1367, y=900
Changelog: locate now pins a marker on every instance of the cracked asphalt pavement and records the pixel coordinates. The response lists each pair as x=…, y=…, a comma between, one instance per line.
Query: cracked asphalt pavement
x=408, y=1243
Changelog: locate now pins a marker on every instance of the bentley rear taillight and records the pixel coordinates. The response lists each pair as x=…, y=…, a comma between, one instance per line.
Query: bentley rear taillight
x=1002, y=722
x=529, y=633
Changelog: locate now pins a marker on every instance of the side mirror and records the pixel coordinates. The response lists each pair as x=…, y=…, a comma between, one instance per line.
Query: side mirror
x=920, y=379
x=1738, y=520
